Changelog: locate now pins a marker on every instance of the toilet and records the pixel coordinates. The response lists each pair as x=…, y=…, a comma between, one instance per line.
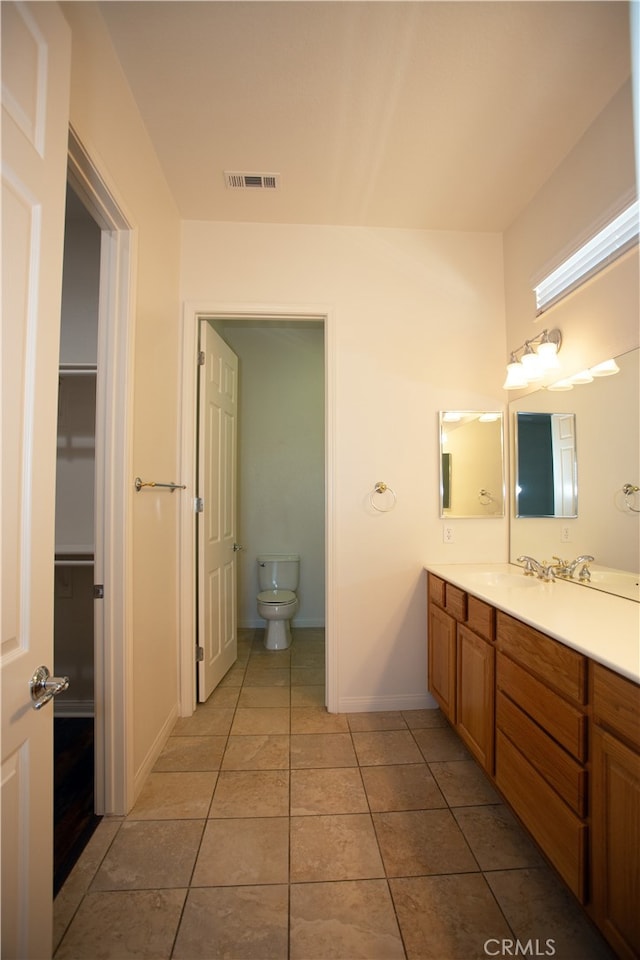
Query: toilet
x=277, y=601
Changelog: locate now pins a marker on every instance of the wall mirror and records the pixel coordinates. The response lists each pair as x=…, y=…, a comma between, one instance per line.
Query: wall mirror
x=606, y=422
x=546, y=465
x=471, y=464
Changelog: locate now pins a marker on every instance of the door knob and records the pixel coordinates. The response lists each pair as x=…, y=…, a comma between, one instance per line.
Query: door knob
x=44, y=687
x=237, y=546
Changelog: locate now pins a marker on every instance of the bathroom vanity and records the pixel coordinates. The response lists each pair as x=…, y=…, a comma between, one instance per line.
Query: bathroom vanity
x=542, y=683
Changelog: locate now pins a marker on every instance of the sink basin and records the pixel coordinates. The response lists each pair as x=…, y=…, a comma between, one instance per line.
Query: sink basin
x=512, y=581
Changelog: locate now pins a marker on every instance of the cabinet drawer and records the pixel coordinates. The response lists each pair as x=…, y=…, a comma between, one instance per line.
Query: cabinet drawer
x=435, y=589
x=558, y=666
x=481, y=617
x=456, y=602
x=561, y=835
x=562, y=721
x=567, y=777
x=616, y=703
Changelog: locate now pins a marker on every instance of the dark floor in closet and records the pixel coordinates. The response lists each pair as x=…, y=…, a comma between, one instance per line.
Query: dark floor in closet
x=74, y=819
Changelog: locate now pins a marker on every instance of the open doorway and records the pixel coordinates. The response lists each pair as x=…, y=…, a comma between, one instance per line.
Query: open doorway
x=77, y=628
x=281, y=456
x=109, y=388
x=266, y=497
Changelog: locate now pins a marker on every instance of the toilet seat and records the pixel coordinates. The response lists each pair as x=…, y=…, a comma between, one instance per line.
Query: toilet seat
x=276, y=596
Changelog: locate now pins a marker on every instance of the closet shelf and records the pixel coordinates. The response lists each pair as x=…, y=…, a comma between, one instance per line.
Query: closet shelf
x=71, y=556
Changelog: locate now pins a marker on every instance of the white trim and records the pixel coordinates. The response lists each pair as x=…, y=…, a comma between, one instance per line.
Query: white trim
x=192, y=313
x=603, y=244
x=114, y=786
x=422, y=701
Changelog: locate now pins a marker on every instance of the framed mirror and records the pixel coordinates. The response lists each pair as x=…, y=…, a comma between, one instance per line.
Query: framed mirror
x=471, y=464
x=546, y=465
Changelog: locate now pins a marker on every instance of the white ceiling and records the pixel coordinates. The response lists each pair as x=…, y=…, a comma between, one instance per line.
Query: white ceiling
x=436, y=115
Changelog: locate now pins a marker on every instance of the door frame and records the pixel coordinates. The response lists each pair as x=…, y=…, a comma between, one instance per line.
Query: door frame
x=113, y=655
x=193, y=313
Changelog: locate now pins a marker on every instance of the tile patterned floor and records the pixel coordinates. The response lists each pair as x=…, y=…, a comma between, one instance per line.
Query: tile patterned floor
x=271, y=830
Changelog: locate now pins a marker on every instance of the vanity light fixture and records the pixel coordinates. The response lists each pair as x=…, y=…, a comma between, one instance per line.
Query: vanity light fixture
x=584, y=376
x=534, y=364
x=605, y=369
x=561, y=385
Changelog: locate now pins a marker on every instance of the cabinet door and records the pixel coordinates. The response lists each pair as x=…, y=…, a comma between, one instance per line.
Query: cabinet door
x=475, y=695
x=615, y=841
x=442, y=660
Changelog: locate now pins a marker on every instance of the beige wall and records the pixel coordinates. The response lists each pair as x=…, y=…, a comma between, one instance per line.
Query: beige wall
x=415, y=325
x=107, y=123
x=600, y=319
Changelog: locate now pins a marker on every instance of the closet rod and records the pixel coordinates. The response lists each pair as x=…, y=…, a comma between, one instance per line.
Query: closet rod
x=77, y=369
x=60, y=562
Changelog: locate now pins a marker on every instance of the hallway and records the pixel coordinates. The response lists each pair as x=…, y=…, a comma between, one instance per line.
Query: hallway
x=271, y=830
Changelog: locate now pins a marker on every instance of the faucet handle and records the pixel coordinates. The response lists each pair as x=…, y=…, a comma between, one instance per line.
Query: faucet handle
x=585, y=574
x=528, y=565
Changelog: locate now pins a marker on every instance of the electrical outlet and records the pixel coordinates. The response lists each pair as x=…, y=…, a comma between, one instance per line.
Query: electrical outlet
x=565, y=535
x=447, y=535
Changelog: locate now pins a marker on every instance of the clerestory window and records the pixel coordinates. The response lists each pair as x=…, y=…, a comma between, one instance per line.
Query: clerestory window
x=602, y=249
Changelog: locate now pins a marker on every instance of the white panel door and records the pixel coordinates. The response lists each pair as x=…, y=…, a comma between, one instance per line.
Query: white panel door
x=36, y=57
x=565, y=481
x=217, y=576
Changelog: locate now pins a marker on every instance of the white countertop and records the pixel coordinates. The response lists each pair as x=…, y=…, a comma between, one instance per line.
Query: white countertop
x=600, y=625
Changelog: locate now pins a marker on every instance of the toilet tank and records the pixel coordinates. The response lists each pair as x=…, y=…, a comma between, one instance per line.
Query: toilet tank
x=278, y=571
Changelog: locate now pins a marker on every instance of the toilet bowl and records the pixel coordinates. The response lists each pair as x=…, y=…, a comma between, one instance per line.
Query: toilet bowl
x=277, y=601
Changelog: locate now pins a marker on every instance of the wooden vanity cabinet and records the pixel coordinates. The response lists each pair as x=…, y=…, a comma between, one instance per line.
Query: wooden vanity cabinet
x=461, y=664
x=541, y=743
x=560, y=735
x=615, y=808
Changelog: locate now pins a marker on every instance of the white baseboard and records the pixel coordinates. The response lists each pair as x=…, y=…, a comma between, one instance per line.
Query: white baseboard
x=153, y=753
x=423, y=701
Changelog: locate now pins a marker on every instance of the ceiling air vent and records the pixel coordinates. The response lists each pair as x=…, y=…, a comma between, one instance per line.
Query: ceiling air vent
x=252, y=181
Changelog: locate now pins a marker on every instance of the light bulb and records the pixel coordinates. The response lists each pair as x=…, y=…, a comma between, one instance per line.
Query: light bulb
x=548, y=355
x=533, y=368
x=516, y=377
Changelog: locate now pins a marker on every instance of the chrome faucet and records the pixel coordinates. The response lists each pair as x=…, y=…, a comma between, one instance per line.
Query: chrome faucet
x=542, y=571
x=567, y=569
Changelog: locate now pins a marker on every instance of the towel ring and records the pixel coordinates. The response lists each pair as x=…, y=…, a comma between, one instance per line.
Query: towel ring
x=382, y=488
x=629, y=490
